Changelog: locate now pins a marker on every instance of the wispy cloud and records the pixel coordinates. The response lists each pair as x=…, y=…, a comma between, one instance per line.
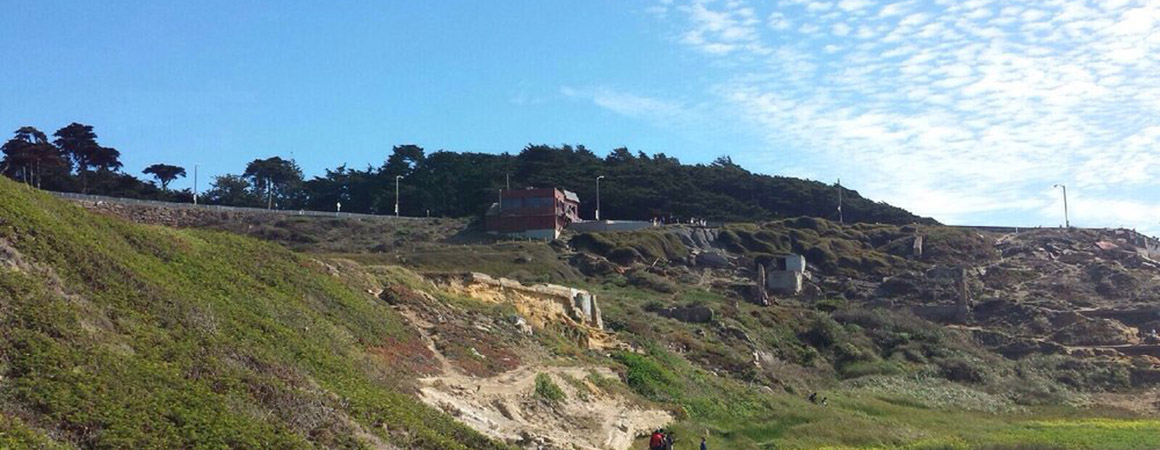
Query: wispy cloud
x=629, y=104
x=957, y=109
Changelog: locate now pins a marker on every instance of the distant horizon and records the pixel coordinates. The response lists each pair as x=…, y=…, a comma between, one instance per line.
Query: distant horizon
x=966, y=112
x=205, y=180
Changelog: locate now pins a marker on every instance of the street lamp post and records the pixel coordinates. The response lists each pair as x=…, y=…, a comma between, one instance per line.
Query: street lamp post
x=841, y=220
x=598, y=196
x=397, y=178
x=1066, y=222
x=195, y=166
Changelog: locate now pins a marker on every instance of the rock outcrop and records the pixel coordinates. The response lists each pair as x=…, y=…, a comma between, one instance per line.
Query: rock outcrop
x=541, y=304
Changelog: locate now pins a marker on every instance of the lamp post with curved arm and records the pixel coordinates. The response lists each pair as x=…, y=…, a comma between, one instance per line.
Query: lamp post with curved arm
x=598, y=196
x=397, y=178
x=1066, y=222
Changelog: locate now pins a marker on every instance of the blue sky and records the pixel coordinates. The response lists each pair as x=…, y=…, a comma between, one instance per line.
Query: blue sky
x=967, y=111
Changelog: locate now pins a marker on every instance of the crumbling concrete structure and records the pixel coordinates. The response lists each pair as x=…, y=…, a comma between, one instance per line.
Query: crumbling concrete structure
x=785, y=273
x=959, y=312
x=541, y=304
x=1151, y=247
x=760, y=288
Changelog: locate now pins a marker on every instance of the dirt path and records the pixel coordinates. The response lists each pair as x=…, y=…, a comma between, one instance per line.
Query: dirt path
x=505, y=406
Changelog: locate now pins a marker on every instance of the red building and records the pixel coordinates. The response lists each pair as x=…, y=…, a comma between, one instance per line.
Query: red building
x=535, y=213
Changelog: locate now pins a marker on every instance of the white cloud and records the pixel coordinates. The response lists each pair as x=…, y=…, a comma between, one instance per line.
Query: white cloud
x=854, y=5
x=957, y=109
x=627, y=104
x=778, y=21
x=720, y=32
x=893, y=9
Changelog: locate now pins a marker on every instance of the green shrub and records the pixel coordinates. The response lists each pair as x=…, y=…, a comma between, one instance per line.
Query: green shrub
x=856, y=369
x=547, y=390
x=651, y=281
x=830, y=304
x=963, y=370
x=624, y=255
x=823, y=333
x=647, y=377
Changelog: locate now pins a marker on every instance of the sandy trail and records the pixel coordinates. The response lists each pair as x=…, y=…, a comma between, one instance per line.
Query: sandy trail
x=505, y=406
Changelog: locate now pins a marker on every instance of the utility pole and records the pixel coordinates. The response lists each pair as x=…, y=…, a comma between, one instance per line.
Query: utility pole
x=397, y=178
x=508, y=180
x=195, y=166
x=598, y=196
x=840, y=218
x=1066, y=222
x=269, y=194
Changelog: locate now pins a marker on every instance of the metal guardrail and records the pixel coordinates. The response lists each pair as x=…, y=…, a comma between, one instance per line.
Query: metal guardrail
x=241, y=209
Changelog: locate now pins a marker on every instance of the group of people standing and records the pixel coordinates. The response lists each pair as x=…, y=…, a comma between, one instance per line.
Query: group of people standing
x=661, y=220
x=663, y=440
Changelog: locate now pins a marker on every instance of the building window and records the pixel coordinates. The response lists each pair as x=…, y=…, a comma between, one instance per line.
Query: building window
x=513, y=203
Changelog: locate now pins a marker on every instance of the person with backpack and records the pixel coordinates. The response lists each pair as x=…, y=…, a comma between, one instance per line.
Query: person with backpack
x=657, y=441
x=669, y=440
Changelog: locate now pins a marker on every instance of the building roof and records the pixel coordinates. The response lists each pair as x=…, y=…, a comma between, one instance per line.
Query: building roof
x=571, y=196
x=529, y=192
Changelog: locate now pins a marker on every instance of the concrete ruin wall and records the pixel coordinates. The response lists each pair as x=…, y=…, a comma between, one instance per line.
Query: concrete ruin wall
x=1131, y=317
x=609, y=225
x=784, y=281
x=1151, y=248
x=788, y=281
x=938, y=313
x=540, y=304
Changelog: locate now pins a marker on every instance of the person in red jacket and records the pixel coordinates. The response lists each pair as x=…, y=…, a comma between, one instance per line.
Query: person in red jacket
x=657, y=442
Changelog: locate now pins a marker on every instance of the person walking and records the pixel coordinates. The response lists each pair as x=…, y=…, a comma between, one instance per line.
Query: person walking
x=703, y=445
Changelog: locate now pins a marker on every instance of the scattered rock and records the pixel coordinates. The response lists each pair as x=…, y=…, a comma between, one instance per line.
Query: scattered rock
x=715, y=260
x=690, y=314
x=1096, y=332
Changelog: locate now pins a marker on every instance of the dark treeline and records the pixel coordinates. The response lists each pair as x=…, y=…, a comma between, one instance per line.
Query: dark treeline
x=444, y=183
x=71, y=160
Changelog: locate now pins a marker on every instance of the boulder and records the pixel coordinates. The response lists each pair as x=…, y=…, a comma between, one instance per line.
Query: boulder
x=689, y=314
x=593, y=266
x=1112, y=281
x=1096, y=332
x=713, y=260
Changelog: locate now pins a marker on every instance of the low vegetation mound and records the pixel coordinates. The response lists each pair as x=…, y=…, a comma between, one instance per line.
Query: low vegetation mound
x=116, y=335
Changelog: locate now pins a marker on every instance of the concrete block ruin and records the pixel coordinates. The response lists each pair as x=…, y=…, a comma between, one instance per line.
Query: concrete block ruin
x=760, y=288
x=541, y=304
x=785, y=273
x=958, y=312
x=1151, y=247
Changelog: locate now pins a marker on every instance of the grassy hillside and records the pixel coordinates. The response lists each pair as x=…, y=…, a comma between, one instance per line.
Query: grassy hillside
x=114, y=335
